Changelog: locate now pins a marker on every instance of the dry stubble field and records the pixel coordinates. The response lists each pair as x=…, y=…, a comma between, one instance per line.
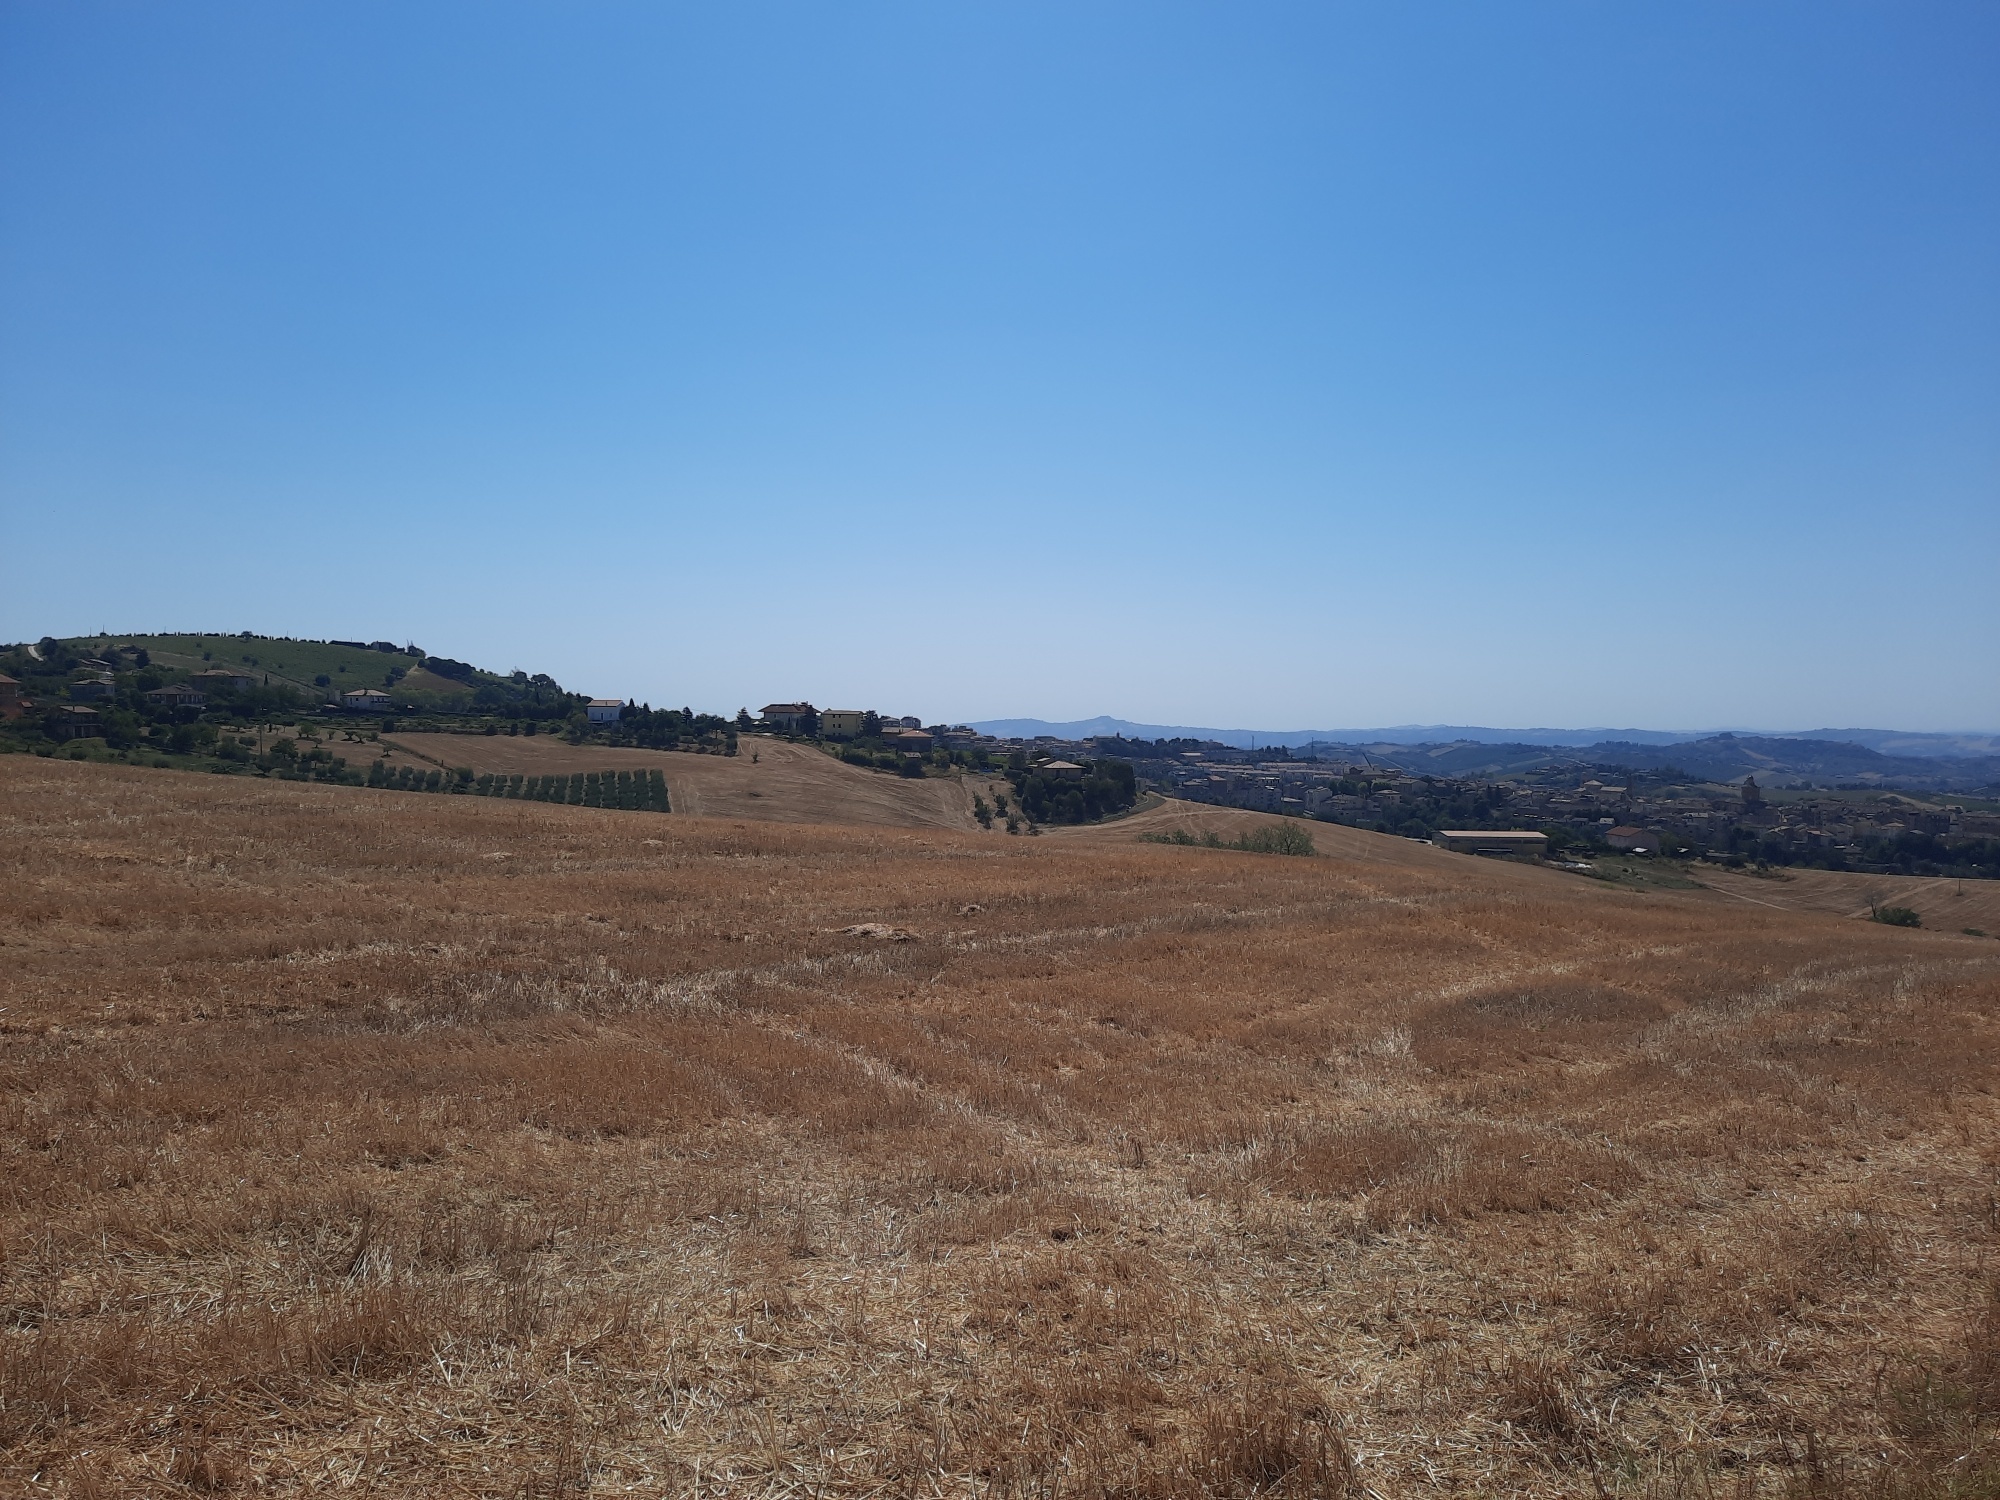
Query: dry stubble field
x=784, y=783
x=374, y=1143
x=1949, y=905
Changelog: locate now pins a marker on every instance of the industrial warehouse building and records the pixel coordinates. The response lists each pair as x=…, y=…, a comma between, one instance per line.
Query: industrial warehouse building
x=1517, y=842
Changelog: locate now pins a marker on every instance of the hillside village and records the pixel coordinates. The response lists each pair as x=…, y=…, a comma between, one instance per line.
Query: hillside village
x=1606, y=809
x=318, y=710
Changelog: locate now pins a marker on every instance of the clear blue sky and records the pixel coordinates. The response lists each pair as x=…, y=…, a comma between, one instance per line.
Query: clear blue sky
x=1278, y=365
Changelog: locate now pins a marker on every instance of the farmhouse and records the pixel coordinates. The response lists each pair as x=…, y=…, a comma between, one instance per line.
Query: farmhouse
x=906, y=739
x=221, y=678
x=10, y=697
x=92, y=690
x=1065, y=770
x=1513, y=841
x=365, y=701
x=786, y=717
x=605, y=710
x=76, y=722
x=177, y=695
x=841, y=723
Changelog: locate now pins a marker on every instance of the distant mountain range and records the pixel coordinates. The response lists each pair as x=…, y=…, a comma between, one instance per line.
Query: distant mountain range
x=1921, y=762
x=1892, y=742
x=1774, y=760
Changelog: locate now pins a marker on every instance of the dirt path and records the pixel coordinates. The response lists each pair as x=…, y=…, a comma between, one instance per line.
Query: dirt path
x=771, y=781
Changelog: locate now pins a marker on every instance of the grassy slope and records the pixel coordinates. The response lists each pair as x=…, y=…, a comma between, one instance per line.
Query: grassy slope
x=290, y=663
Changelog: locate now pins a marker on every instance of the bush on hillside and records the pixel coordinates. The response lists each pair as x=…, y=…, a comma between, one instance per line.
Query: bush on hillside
x=1287, y=839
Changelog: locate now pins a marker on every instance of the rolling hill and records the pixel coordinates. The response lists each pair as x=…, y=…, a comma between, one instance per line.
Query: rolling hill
x=448, y=1145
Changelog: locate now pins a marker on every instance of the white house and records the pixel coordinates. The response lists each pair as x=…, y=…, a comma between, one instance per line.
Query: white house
x=605, y=710
x=365, y=701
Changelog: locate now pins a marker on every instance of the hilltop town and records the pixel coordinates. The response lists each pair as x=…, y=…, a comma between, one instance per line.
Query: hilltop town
x=1585, y=808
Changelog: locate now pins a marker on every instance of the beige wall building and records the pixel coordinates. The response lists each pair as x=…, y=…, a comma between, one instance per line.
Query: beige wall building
x=841, y=723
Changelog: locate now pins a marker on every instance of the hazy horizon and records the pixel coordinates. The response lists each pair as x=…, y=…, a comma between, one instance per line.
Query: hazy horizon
x=1321, y=365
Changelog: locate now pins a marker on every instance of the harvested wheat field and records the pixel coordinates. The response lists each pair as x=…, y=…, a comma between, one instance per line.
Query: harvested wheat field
x=786, y=783
x=1943, y=903
x=391, y=1145
x=1171, y=815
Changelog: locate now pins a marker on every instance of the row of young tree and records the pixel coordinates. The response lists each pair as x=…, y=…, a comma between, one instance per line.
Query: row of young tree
x=632, y=791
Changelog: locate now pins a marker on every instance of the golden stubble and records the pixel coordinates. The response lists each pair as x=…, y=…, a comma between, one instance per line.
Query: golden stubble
x=414, y=1145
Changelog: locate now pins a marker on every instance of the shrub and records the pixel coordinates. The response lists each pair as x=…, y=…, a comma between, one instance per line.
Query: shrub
x=1288, y=838
x=1897, y=916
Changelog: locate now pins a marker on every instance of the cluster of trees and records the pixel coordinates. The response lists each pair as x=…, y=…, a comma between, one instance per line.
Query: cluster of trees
x=522, y=697
x=878, y=759
x=666, y=729
x=1440, y=805
x=1106, y=787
